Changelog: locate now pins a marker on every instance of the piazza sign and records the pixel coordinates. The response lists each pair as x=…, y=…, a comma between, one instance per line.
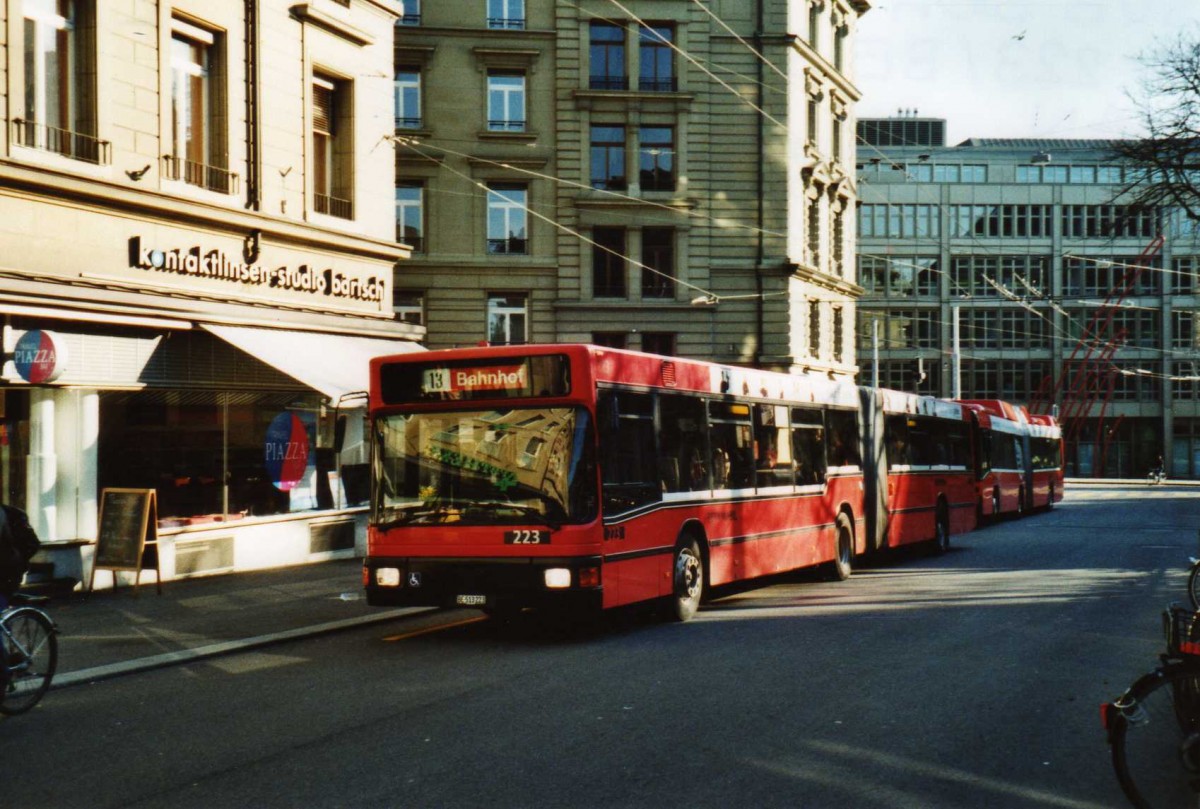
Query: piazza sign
x=40, y=357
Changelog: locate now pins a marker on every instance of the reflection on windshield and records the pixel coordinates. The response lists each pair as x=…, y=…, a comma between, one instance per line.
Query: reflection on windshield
x=485, y=467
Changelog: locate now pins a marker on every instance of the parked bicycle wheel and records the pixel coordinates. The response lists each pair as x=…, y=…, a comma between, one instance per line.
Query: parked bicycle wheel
x=1194, y=584
x=31, y=649
x=1155, y=734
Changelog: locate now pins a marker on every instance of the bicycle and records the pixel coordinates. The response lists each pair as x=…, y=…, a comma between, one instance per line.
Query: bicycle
x=1155, y=477
x=1154, y=727
x=28, y=655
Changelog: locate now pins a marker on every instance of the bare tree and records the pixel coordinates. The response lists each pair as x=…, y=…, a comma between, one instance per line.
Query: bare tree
x=1166, y=163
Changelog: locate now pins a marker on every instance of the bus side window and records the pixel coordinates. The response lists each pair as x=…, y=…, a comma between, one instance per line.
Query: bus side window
x=683, y=465
x=808, y=446
x=626, y=446
x=731, y=438
x=843, y=438
x=772, y=446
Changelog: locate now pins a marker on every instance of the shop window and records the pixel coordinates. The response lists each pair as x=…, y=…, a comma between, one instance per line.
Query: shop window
x=14, y=445
x=216, y=456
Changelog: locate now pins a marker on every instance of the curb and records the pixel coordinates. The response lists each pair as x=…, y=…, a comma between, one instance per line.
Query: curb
x=158, y=661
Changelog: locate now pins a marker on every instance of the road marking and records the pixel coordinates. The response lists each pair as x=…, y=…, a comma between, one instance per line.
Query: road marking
x=428, y=629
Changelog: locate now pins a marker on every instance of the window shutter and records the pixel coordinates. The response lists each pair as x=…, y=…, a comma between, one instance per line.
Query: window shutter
x=322, y=108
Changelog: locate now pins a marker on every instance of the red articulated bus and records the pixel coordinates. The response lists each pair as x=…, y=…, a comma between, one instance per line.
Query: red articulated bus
x=581, y=477
x=925, y=459
x=1045, y=461
x=1001, y=443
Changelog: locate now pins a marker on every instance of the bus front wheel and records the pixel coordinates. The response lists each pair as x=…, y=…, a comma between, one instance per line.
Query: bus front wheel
x=688, y=580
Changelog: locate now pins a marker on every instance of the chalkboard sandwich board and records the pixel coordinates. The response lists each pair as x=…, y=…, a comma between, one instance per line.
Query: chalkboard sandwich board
x=128, y=535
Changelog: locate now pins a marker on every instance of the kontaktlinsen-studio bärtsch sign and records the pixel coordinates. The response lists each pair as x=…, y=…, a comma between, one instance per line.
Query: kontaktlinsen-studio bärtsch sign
x=217, y=265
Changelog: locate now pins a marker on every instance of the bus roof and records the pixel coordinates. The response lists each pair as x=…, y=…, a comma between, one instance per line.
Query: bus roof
x=622, y=366
x=898, y=401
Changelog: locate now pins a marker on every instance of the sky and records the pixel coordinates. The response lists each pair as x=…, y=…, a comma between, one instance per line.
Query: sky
x=1015, y=68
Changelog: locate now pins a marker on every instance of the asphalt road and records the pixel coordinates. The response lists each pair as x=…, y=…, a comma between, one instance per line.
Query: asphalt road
x=971, y=679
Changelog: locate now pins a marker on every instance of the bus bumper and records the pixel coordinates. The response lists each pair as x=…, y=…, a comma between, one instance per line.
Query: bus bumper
x=570, y=583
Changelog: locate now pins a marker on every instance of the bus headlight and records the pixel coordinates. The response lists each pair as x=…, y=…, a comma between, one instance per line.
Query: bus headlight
x=558, y=578
x=387, y=576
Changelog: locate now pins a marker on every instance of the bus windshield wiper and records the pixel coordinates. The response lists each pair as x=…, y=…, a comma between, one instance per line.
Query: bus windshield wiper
x=525, y=511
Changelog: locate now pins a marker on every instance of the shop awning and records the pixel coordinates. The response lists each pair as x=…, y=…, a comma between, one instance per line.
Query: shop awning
x=333, y=364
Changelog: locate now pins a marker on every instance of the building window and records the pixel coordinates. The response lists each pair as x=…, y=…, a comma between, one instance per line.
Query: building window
x=607, y=56
x=656, y=58
x=1000, y=221
x=409, y=306
x=1110, y=221
x=656, y=158
x=658, y=260
x=608, y=158
x=911, y=328
x=1104, y=275
x=839, y=47
x=659, y=342
x=506, y=14
x=814, y=224
x=991, y=276
x=608, y=262
x=60, y=81
x=902, y=221
x=507, y=318
x=407, y=90
x=199, y=150
x=507, y=219
x=814, y=24
x=1183, y=280
x=410, y=224
x=506, y=102
x=839, y=336
x=410, y=12
x=333, y=143
x=814, y=329
x=811, y=134
x=610, y=339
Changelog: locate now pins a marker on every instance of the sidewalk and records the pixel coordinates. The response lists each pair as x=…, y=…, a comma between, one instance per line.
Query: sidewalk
x=108, y=633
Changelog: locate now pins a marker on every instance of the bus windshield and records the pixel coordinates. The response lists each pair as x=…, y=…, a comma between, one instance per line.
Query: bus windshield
x=515, y=466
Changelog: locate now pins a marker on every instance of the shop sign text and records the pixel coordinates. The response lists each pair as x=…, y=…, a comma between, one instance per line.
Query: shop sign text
x=214, y=264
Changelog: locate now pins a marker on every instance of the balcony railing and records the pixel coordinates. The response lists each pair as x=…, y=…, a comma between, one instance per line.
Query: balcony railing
x=74, y=145
x=506, y=125
x=409, y=19
x=609, y=82
x=417, y=243
x=510, y=246
x=658, y=84
x=333, y=206
x=408, y=123
x=509, y=23
x=212, y=178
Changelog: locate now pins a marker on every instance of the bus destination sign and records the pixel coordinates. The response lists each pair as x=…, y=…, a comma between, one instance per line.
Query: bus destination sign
x=470, y=379
x=413, y=380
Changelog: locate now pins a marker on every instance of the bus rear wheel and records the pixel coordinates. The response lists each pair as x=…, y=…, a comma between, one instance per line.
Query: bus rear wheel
x=840, y=567
x=687, y=580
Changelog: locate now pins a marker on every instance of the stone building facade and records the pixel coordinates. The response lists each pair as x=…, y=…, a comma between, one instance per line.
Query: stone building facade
x=197, y=259
x=631, y=173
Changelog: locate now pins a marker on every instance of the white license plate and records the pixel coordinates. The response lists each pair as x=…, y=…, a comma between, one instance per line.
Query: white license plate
x=470, y=600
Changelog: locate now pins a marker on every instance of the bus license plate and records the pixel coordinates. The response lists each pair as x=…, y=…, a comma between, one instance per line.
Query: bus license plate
x=527, y=536
x=470, y=600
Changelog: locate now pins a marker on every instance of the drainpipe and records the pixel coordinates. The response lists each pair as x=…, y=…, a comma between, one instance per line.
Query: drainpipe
x=253, y=141
x=761, y=252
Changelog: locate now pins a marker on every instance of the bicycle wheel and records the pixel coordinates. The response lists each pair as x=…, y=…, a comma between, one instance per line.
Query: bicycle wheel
x=1194, y=585
x=1155, y=736
x=31, y=648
